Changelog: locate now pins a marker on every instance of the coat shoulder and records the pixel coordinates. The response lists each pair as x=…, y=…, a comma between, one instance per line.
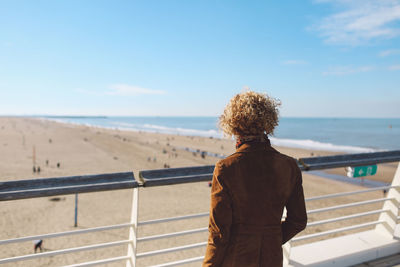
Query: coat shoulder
x=287, y=158
x=234, y=159
x=228, y=161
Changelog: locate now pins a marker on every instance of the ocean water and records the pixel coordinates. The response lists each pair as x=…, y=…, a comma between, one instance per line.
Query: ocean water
x=332, y=134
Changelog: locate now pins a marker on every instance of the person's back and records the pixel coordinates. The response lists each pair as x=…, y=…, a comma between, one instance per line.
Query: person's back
x=262, y=182
x=250, y=189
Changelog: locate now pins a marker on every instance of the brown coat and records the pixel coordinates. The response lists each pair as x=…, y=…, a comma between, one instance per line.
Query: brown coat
x=249, y=191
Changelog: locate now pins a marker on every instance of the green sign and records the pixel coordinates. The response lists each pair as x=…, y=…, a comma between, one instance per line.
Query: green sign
x=361, y=171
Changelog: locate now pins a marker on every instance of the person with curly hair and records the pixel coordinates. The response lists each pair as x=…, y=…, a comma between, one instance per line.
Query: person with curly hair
x=251, y=188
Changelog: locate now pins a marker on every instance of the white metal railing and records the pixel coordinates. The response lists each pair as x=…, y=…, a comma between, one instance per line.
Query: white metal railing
x=387, y=214
x=296, y=239
x=181, y=262
x=63, y=251
x=335, y=231
x=99, y=262
x=194, y=231
x=199, y=230
x=350, y=193
x=191, y=216
x=168, y=250
x=66, y=233
x=349, y=205
x=347, y=217
x=187, y=232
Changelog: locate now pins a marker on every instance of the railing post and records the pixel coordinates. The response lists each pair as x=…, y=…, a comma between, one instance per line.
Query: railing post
x=131, y=262
x=286, y=253
x=286, y=247
x=390, y=218
x=76, y=211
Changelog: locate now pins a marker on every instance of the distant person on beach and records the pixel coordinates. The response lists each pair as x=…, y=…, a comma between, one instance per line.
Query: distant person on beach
x=250, y=189
x=38, y=245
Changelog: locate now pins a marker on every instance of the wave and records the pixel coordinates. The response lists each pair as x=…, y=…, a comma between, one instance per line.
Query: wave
x=292, y=143
x=73, y=123
x=168, y=130
x=315, y=145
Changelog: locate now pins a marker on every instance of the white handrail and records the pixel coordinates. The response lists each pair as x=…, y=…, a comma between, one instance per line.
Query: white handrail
x=58, y=234
x=125, y=225
x=168, y=250
x=155, y=237
x=151, y=253
x=66, y=187
x=98, y=262
x=63, y=251
x=176, y=263
x=350, y=193
x=148, y=238
x=347, y=217
x=191, y=216
x=307, y=199
x=355, y=204
x=205, y=229
x=334, y=231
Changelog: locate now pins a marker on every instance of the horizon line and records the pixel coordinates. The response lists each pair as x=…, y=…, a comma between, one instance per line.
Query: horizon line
x=184, y=116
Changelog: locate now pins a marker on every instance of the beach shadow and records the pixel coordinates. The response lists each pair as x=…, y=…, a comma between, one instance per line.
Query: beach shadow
x=56, y=199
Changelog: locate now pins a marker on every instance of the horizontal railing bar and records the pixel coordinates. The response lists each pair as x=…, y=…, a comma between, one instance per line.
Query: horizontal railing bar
x=174, y=218
x=338, y=164
x=63, y=251
x=74, y=232
x=334, y=231
x=154, y=237
x=70, y=186
x=177, y=180
x=149, y=238
x=176, y=175
x=355, y=204
x=325, y=162
x=207, y=214
x=66, y=190
x=349, y=193
x=12, y=190
x=204, y=173
x=168, y=250
x=357, y=215
x=33, y=188
x=98, y=262
x=176, y=263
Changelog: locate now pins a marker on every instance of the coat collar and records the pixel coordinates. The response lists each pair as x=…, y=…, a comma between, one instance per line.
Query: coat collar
x=255, y=146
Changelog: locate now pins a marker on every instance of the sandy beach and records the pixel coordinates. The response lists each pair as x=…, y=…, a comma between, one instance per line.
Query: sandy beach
x=87, y=150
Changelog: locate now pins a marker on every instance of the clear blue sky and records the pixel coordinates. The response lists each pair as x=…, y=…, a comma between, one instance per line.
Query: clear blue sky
x=325, y=58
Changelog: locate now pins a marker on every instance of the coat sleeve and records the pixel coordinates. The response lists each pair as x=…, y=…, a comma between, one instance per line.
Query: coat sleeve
x=296, y=219
x=220, y=220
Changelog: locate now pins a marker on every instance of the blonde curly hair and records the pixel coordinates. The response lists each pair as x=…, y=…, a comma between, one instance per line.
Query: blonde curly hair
x=250, y=114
